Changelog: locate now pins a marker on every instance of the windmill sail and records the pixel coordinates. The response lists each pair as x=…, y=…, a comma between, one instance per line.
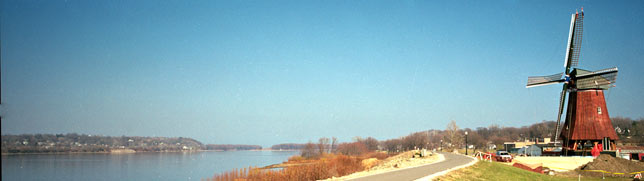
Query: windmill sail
x=575, y=35
x=601, y=79
x=544, y=80
x=562, y=98
x=576, y=46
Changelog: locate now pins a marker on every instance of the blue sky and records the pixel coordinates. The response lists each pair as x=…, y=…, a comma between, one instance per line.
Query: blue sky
x=268, y=72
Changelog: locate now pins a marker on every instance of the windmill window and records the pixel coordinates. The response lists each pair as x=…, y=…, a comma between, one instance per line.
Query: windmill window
x=599, y=110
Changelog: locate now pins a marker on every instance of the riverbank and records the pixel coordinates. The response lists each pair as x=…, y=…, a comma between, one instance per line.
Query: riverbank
x=321, y=166
x=332, y=167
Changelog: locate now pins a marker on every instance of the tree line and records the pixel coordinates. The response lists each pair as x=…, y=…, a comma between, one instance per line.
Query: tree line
x=324, y=145
x=288, y=146
x=73, y=142
x=450, y=138
x=228, y=147
x=630, y=132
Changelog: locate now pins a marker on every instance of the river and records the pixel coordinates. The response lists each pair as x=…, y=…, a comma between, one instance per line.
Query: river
x=136, y=166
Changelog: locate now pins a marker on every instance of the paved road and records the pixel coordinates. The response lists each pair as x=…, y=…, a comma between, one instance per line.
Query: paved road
x=451, y=160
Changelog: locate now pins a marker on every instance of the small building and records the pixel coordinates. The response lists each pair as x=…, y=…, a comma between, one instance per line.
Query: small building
x=533, y=150
x=526, y=142
x=631, y=152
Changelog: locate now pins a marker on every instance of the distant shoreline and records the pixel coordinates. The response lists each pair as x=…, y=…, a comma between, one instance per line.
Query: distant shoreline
x=123, y=153
x=253, y=150
x=97, y=152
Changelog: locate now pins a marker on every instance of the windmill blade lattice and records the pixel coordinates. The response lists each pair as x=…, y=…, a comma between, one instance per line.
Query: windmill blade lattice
x=597, y=79
x=576, y=42
x=544, y=80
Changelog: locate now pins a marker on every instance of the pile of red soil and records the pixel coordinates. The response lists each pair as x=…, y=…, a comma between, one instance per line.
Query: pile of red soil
x=610, y=164
x=538, y=169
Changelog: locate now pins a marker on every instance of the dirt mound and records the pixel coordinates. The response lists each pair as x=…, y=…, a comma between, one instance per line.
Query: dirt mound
x=370, y=162
x=610, y=164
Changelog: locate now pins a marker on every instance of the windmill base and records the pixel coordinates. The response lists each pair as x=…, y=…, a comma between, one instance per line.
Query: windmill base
x=569, y=152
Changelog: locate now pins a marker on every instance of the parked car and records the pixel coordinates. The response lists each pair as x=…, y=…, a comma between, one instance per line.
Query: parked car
x=503, y=156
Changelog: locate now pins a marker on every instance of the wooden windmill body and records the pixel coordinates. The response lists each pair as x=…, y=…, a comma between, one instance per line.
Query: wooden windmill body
x=587, y=122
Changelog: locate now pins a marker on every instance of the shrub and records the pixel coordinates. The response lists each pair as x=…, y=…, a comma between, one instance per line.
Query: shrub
x=377, y=155
x=296, y=158
x=355, y=148
x=309, y=151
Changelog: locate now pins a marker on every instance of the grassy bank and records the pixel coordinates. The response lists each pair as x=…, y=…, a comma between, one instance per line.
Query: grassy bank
x=499, y=171
x=298, y=168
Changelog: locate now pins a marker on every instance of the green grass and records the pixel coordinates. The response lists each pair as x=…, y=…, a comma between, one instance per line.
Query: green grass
x=497, y=171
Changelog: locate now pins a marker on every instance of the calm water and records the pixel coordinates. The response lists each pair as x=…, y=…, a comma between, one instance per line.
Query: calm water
x=139, y=166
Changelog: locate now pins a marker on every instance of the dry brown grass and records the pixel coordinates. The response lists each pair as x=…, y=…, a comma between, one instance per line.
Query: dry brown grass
x=327, y=166
x=378, y=155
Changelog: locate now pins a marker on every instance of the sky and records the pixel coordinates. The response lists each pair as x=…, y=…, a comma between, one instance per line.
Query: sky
x=269, y=72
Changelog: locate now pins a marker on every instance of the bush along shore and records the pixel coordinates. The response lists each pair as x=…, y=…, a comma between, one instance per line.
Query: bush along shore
x=317, y=161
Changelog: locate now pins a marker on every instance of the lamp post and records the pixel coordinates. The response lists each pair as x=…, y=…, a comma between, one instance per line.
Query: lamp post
x=441, y=145
x=428, y=138
x=465, y=142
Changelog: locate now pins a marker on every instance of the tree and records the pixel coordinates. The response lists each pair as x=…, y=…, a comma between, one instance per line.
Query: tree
x=392, y=145
x=355, y=148
x=323, y=144
x=638, y=133
x=435, y=138
x=415, y=140
x=334, y=144
x=453, y=134
x=625, y=124
x=309, y=150
x=371, y=143
x=474, y=138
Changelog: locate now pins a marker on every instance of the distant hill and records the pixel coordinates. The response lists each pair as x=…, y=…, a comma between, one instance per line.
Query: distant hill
x=60, y=143
x=229, y=147
x=288, y=146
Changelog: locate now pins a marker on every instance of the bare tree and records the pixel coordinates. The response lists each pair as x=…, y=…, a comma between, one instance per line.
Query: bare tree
x=354, y=148
x=414, y=141
x=624, y=124
x=323, y=144
x=357, y=139
x=453, y=134
x=392, y=145
x=371, y=143
x=334, y=144
x=309, y=150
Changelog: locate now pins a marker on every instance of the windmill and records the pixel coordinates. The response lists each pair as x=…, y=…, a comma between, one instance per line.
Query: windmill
x=587, y=121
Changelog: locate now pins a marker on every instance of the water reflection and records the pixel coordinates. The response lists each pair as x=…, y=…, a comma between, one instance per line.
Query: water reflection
x=137, y=166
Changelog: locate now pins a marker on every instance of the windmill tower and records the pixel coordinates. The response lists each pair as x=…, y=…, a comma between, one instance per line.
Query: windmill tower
x=587, y=122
